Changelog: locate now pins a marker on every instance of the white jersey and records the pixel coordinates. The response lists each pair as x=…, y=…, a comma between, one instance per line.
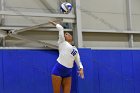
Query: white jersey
x=67, y=53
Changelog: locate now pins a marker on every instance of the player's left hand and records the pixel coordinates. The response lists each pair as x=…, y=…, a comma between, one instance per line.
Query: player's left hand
x=81, y=73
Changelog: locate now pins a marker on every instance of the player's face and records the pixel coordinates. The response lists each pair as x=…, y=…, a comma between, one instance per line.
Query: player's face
x=68, y=37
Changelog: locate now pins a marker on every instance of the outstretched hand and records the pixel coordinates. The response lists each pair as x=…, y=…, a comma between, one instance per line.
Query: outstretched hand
x=81, y=73
x=52, y=22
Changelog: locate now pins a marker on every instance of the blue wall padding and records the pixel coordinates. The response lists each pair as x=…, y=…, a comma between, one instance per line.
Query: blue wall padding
x=27, y=71
x=74, y=80
x=1, y=72
x=136, y=69
x=106, y=71
x=95, y=72
x=127, y=71
x=119, y=71
x=87, y=85
x=109, y=71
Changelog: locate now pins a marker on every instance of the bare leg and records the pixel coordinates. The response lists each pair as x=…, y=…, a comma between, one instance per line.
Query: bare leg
x=66, y=84
x=56, y=82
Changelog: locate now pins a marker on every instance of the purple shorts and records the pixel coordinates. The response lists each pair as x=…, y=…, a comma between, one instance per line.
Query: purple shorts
x=62, y=71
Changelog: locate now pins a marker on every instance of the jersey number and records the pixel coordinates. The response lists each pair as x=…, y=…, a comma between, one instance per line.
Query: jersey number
x=74, y=52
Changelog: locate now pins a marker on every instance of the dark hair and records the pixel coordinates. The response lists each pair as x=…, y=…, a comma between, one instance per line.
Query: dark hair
x=69, y=33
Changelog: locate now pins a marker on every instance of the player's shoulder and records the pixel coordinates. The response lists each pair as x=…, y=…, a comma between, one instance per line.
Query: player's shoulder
x=75, y=48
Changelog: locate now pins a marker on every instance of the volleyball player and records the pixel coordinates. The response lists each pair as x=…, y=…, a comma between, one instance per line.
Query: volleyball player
x=62, y=71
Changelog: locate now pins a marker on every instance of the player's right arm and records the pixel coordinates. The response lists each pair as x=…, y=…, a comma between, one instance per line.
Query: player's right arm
x=61, y=32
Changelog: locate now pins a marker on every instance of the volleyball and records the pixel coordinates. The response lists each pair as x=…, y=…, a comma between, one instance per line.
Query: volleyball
x=66, y=7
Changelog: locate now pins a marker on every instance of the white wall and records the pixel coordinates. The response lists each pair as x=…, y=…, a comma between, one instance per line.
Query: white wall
x=136, y=14
x=50, y=37
x=137, y=41
x=110, y=11
x=98, y=40
x=30, y=5
x=35, y=6
x=96, y=15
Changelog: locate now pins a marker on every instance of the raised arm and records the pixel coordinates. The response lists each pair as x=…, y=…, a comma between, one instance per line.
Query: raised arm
x=61, y=32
